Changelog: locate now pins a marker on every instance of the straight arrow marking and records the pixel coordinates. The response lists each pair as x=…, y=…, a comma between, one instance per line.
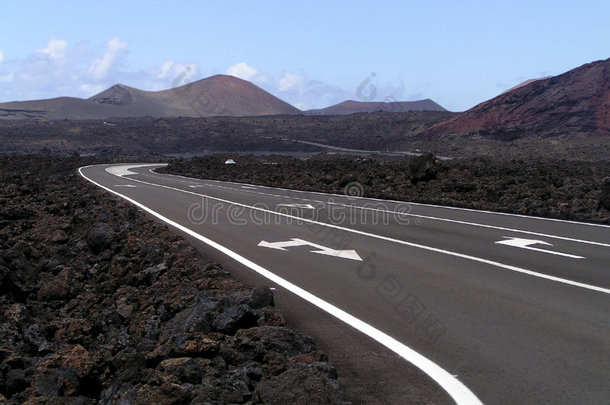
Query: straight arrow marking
x=526, y=244
x=322, y=250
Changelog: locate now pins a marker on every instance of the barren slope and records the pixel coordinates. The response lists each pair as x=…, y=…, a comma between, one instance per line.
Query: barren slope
x=574, y=103
x=213, y=96
x=351, y=106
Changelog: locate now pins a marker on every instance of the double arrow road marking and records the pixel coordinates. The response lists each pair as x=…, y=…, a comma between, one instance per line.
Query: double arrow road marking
x=526, y=244
x=353, y=255
x=322, y=250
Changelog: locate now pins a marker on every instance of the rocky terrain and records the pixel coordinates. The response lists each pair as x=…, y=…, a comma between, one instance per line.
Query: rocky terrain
x=99, y=304
x=379, y=131
x=574, y=190
x=136, y=136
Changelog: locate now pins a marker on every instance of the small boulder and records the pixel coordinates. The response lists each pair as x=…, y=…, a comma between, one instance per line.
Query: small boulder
x=421, y=168
x=261, y=297
x=53, y=289
x=100, y=237
x=58, y=237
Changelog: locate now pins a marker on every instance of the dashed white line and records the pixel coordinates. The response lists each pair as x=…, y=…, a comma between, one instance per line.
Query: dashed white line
x=455, y=221
x=394, y=240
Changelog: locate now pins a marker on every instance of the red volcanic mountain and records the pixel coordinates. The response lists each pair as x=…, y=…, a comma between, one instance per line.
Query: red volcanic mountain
x=573, y=103
x=350, y=107
x=213, y=96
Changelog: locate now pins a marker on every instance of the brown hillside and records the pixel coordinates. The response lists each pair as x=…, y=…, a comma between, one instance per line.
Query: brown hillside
x=214, y=96
x=351, y=107
x=574, y=103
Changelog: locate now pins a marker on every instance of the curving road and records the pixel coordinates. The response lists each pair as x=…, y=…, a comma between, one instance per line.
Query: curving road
x=414, y=303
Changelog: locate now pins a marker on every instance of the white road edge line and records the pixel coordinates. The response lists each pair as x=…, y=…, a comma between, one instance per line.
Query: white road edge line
x=457, y=390
x=399, y=241
x=397, y=201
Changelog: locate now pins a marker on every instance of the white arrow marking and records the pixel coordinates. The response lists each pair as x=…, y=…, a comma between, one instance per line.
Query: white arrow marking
x=122, y=170
x=323, y=250
x=307, y=206
x=525, y=244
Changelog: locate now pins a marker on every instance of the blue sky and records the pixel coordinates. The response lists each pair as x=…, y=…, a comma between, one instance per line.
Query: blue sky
x=311, y=54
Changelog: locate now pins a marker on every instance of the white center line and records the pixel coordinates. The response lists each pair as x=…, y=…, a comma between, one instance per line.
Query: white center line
x=399, y=241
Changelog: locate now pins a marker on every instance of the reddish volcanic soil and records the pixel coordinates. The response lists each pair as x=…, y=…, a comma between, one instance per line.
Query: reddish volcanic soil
x=574, y=103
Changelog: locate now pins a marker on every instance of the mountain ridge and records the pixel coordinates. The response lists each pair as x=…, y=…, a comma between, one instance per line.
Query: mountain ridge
x=213, y=96
x=218, y=95
x=352, y=106
x=576, y=102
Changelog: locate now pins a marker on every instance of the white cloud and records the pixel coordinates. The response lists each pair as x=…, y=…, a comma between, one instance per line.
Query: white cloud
x=7, y=77
x=291, y=81
x=62, y=69
x=99, y=67
x=174, y=74
x=1, y=56
x=83, y=69
x=242, y=70
x=55, y=50
x=92, y=89
x=165, y=67
x=300, y=91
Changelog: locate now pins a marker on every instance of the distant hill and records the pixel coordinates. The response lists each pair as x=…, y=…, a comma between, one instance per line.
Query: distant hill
x=350, y=107
x=574, y=103
x=219, y=95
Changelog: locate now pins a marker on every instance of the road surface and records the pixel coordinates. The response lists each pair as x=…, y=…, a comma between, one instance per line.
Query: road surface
x=413, y=302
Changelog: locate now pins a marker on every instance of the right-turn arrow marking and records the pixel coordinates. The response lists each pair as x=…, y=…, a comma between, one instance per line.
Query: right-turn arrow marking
x=322, y=250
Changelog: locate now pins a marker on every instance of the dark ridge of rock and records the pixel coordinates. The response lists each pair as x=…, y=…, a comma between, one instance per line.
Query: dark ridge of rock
x=604, y=198
x=563, y=189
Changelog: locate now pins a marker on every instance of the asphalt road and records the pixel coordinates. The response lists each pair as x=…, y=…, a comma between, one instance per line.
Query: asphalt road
x=412, y=302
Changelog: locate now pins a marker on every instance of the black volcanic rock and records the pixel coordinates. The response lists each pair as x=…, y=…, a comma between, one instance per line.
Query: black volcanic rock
x=604, y=198
x=100, y=237
x=574, y=190
x=421, y=168
x=124, y=311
